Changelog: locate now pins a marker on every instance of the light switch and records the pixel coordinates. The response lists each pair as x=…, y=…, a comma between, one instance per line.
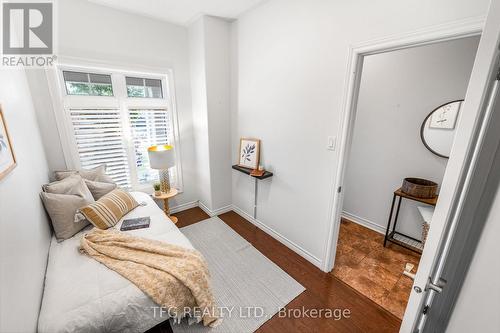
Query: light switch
x=332, y=142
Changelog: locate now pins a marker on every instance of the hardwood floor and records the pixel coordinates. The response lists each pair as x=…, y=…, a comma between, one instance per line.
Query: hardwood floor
x=372, y=269
x=323, y=290
x=190, y=216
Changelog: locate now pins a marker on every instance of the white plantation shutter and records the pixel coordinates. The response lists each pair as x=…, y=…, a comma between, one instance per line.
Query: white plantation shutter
x=99, y=140
x=150, y=127
x=116, y=124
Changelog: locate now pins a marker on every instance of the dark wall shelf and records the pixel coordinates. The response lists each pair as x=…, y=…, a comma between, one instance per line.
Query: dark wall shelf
x=247, y=171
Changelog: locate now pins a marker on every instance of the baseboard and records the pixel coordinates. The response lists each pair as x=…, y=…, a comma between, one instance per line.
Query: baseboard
x=276, y=235
x=215, y=212
x=364, y=222
x=222, y=210
x=184, y=206
x=280, y=238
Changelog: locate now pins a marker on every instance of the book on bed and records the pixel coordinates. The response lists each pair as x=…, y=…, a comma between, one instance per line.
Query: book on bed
x=137, y=223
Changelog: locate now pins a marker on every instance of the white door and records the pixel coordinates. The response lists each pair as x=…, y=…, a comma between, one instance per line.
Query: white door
x=456, y=188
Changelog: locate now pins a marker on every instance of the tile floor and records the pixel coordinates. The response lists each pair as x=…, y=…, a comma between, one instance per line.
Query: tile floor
x=363, y=263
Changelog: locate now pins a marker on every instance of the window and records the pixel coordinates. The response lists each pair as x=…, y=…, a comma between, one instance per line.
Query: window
x=148, y=127
x=87, y=84
x=99, y=140
x=117, y=130
x=147, y=88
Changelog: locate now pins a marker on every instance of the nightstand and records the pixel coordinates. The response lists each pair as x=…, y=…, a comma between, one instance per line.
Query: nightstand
x=165, y=196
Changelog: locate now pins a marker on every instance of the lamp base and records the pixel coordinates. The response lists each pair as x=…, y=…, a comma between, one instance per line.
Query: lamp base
x=164, y=181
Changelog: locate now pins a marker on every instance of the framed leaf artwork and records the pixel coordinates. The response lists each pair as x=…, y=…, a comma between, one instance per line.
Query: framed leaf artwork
x=249, y=153
x=7, y=157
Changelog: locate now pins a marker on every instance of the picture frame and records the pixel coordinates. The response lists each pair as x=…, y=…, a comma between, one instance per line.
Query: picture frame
x=7, y=156
x=249, y=153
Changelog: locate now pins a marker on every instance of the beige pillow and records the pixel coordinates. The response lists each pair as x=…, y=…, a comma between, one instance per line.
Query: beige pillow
x=108, y=210
x=97, y=174
x=99, y=189
x=62, y=199
x=73, y=184
x=61, y=209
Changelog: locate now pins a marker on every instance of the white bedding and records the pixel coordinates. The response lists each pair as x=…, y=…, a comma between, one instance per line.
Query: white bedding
x=82, y=295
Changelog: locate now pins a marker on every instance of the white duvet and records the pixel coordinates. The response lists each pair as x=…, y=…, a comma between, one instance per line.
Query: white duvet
x=82, y=295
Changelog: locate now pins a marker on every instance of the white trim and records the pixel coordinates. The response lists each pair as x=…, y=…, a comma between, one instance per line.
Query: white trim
x=215, y=212
x=222, y=210
x=184, y=206
x=123, y=67
x=364, y=222
x=439, y=33
x=276, y=235
x=280, y=238
x=57, y=104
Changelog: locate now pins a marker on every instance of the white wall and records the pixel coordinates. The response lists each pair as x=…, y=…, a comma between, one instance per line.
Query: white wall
x=24, y=228
x=210, y=80
x=219, y=115
x=200, y=110
x=104, y=35
x=479, y=300
x=291, y=59
x=398, y=90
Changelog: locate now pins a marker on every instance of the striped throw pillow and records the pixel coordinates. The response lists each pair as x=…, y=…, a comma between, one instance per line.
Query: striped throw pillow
x=109, y=209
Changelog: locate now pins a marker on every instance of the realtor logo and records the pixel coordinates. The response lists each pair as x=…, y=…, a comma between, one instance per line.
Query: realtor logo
x=27, y=33
x=27, y=28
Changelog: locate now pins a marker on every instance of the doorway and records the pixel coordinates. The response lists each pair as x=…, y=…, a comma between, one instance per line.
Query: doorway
x=401, y=95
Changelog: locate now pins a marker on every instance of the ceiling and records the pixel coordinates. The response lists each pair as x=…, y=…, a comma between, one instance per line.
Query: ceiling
x=182, y=12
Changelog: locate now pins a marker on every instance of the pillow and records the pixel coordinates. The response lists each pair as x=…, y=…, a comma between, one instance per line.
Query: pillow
x=97, y=174
x=99, y=189
x=61, y=209
x=108, y=210
x=73, y=184
x=62, y=199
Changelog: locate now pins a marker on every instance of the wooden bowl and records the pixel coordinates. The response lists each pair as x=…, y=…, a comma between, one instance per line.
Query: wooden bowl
x=419, y=188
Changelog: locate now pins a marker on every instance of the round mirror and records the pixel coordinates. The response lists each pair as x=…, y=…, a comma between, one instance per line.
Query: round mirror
x=438, y=129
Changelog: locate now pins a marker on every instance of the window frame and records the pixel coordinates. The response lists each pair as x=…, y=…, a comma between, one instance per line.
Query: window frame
x=121, y=101
x=144, y=86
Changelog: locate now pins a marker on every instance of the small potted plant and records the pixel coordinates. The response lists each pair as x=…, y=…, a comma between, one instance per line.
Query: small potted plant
x=157, y=189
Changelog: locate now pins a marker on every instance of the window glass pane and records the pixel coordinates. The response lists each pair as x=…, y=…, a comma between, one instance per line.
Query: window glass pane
x=146, y=88
x=148, y=128
x=75, y=76
x=101, y=90
x=153, y=88
x=134, y=81
x=153, y=83
x=153, y=92
x=74, y=88
x=136, y=91
x=89, y=84
x=100, y=78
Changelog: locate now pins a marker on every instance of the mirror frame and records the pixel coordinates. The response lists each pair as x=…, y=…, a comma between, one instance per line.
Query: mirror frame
x=422, y=127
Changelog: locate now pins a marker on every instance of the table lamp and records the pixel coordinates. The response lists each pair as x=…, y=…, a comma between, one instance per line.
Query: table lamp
x=162, y=158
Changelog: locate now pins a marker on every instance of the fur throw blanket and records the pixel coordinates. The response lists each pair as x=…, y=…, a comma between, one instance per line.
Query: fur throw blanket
x=175, y=278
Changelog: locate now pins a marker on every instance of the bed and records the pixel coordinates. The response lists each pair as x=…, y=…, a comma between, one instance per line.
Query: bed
x=81, y=295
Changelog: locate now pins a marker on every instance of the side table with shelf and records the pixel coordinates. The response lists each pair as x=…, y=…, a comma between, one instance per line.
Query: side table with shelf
x=397, y=237
x=267, y=174
x=165, y=197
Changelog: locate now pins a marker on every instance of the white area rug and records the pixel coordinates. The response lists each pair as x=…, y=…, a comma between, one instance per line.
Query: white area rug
x=249, y=287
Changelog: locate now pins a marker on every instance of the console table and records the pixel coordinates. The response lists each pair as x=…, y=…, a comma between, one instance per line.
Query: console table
x=397, y=237
x=267, y=174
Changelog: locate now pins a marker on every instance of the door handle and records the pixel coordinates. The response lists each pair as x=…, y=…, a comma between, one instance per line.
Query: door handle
x=437, y=287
